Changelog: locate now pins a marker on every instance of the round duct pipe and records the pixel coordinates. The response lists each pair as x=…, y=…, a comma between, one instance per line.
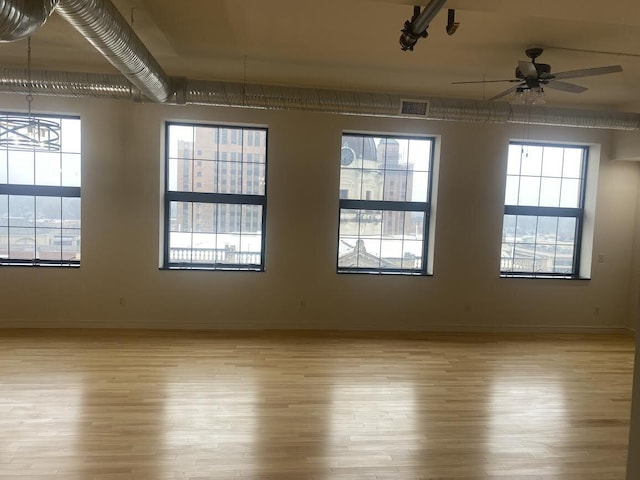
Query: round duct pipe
x=270, y=97
x=100, y=22
x=21, y=18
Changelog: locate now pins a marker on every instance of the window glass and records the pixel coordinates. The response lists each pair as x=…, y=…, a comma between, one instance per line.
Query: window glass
x=223, y=227
x=543, y=210
x=40, y=206
x=384, y=203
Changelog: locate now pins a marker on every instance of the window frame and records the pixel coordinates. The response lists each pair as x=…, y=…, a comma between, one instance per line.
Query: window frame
x=392, y=206
x=577, y=213
x=52, y=191
x=213, y=199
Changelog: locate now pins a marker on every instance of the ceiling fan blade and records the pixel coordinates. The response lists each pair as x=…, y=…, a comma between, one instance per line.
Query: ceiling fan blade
x=505, y=92
x=587, y=72
x=484, y=81
x=565, y=87
x=528, y=69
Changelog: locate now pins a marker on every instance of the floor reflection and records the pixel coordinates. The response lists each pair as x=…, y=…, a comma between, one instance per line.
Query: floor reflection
x=373, y=424
x=528, y=421
x=210, y=425
x=288, y=407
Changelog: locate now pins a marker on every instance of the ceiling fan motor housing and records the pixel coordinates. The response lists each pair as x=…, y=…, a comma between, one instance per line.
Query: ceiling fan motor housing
x=542, y=69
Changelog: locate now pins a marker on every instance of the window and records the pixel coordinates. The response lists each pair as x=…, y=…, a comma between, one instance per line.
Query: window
x=218, y=222
x=544, y=209
x=40, y=199
x=385, y=192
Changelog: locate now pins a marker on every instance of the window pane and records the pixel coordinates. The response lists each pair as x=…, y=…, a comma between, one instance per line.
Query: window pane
x=71, y=170
x=71, y=212
x=419, y=187
x=3, y=166
x=547, y=230
x=412, y=254
x=48, y=243
x=511, y=191
x=181, y=142
x=181, y=175
x=22, y=243
x=552, y=162
x=251, y=219
x=180, y=247
x=419, y=154
x=4, y=210
x=48, y=211
x=525, y=228
x=21, y=210
x=570, y=196
x=389, y=169
x=564, y=259
x=513, y=161
x=48, y=169
x=573, y=163
x=226, y=161
x=350, y=183
x=4, y=242
x=373, y=182
x=567, y=230
x=70, y=244
x=509, y=228
x=36, y=223
x=544, y=259
x=70, y=135
x=21, y=168
x=550, y=192
x=529, y=193
x=181, y=216
x=205, y=218
x=532, y=161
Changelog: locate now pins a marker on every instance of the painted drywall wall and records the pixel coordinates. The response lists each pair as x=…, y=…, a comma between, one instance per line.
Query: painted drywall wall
x=634, y=284
x=626, y=146
x=120, y=284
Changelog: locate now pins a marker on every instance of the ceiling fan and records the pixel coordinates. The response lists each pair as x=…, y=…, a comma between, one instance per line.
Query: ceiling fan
x=534, y=76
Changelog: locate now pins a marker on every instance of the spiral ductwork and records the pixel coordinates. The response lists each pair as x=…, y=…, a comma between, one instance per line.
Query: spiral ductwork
x=66, y=84
x=226, y=94
x=229, y=94
x=21, y=18
x=105, y=28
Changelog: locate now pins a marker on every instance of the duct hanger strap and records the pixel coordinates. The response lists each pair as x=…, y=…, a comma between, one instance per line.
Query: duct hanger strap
x=107, y=30
x=20, y=18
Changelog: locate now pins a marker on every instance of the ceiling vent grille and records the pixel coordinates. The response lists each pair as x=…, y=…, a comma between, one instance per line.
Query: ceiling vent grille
x=414, y=108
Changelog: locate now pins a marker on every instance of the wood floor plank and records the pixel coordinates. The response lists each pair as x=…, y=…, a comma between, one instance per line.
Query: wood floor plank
x=313, y=405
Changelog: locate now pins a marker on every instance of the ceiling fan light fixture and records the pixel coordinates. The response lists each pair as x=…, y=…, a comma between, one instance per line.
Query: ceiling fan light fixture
x=529, y=96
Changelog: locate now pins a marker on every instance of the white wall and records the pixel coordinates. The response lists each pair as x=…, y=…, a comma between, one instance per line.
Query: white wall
x=121, y=201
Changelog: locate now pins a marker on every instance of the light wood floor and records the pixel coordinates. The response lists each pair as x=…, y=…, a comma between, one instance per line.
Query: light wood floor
x=158, y=405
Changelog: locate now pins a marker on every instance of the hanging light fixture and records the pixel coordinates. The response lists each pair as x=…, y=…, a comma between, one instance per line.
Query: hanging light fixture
x=18, y=132
x=529, y=96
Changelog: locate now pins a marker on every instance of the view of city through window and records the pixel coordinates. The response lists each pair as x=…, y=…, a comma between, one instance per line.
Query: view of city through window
x=543, y=209
x=216, y=197
x=384, y=203
x=40, y=199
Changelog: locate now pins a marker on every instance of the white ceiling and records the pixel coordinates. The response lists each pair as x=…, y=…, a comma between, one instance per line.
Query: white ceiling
x=353, y=45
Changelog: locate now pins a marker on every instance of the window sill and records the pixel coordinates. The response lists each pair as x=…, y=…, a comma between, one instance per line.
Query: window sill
x=545, y=277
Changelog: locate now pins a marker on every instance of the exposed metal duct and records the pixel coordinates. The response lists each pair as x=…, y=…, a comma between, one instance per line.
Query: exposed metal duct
x=21, y=18
x=229, y=94
x=416, y=28
x=67, y=84
x=105, y=28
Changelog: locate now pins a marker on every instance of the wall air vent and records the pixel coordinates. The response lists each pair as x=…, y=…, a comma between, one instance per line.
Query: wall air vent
x=414, y=108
